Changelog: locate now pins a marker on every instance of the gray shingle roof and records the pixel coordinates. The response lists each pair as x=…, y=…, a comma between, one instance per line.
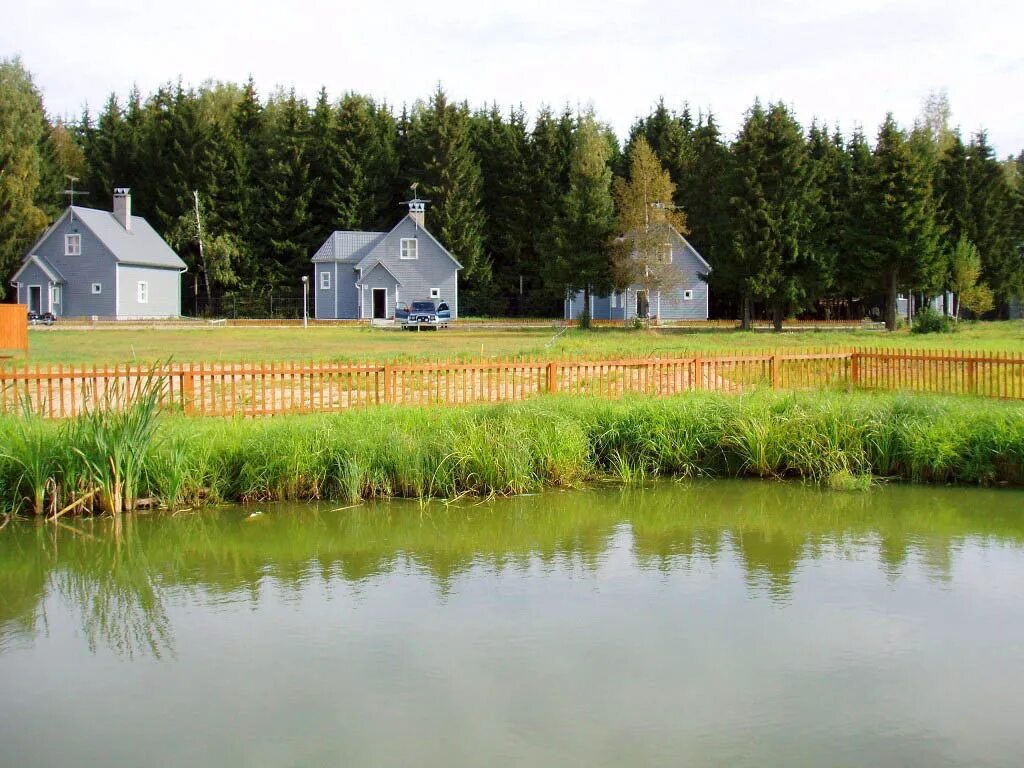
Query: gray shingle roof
x=141, y=245
x=348, y=246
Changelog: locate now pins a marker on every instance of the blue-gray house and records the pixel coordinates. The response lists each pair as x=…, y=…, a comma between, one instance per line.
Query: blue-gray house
x=103, y=263
x=688, y=300
x=365, y=275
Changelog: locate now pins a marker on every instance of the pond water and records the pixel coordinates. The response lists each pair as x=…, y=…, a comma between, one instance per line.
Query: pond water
x=723, y=623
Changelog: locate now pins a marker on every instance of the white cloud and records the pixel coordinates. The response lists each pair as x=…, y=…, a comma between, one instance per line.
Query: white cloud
x=848, y=60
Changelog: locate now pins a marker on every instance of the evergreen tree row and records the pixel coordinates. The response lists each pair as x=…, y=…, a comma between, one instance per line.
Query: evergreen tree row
x=791, y=220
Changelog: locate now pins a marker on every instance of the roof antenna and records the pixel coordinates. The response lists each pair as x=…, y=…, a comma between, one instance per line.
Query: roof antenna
x=70, y=193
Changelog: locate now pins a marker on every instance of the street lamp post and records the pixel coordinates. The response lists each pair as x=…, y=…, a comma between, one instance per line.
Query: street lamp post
x=305, y=293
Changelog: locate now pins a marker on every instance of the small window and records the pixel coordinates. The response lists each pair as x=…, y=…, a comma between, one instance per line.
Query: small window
x=615, y=300
x=409, y=248
x=55, y=294
x=97, y=289
x=143, y=292
x=325, y=281
x=435, y=293
x=72, y=245
x=687, y=295
x=665, y=254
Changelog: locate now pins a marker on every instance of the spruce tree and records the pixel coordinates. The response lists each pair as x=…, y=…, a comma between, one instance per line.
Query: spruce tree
x=901, y=234
x=990, y=225
x=774, y=213
x=367, y=140
x=579, y=241
x=443, y=164
x=502, y=148
x=284, y=193
x=548, y=160
x=828, y=173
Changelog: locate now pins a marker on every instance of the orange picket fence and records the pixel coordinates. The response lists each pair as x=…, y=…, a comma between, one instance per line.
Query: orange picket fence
x=228, y=389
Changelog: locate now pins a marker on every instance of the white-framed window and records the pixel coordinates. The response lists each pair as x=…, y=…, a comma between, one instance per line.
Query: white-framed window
x=143, y=289
x=97, y=289
x=55, y=294
x=615, y=300
x=435, y=293
x=325, y=281
x=72, y=245
x=687, y=295
x=901, y=296
x=665, y=253
x=409, y=248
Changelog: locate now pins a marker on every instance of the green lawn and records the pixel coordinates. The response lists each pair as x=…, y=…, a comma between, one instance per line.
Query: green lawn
x=74, y=346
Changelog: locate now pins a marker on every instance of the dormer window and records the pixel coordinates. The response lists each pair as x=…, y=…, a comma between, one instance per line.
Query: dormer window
x=73, y=245
x=665, y=254
x=409, y=249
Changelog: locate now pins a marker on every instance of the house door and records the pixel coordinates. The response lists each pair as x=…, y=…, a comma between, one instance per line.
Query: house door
x=380, y=303
x=643, y=307
x=35, y=298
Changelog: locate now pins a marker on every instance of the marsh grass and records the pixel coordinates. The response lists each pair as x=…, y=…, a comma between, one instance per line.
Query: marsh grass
x=842, y=441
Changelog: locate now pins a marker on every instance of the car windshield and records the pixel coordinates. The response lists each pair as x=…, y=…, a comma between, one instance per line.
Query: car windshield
x=423, y=306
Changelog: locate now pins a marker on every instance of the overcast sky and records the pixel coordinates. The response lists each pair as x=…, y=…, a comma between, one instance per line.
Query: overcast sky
x=845, y=61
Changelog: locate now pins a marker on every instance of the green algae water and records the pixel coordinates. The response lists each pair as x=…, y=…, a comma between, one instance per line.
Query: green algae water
x=722, y=623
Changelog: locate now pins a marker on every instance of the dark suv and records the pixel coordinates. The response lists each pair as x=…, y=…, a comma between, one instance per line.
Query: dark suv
x=46, y=318
x=427, y=314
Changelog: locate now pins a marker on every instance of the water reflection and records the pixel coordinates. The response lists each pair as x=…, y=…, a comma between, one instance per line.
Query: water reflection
x=120, y=583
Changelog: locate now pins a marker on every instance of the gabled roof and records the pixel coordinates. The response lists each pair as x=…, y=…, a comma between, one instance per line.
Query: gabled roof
x=348, y=246
x=377, y=252
x=692, y=249
x=141, y=245
x=48, y=269
x=372, y=266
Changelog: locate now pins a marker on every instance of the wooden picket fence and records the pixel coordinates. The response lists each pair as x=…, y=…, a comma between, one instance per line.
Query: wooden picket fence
x=229, y=389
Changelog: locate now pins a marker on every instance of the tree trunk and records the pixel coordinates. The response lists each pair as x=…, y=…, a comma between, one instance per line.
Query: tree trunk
x=778, y=313
x=585, y=314
x=745, y=313
x=890, y=302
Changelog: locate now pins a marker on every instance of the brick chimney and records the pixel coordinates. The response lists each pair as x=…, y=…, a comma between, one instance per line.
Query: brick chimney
x=123, y=207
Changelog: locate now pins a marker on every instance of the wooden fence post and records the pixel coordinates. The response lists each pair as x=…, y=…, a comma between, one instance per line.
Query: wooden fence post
x=552, y=377
x=855, y=368
x=387, y=384
x=773, y=366
x=188, y=389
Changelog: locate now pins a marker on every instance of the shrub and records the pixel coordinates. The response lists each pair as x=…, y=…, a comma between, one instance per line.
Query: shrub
x=929, y=320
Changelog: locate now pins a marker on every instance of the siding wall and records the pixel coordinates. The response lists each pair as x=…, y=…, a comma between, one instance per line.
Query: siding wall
x=164, y=291
x=341, y=300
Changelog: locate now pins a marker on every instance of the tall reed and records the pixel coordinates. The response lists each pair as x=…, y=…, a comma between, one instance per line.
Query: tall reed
x=841, y=440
